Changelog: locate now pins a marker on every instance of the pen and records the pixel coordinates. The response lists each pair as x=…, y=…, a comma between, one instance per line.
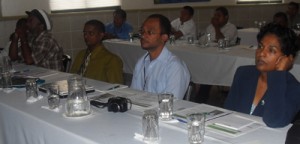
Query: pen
x=117, y=86
x=180, y=120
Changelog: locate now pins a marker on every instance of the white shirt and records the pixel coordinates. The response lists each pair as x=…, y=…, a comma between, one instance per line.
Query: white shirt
x=166, y=73
x=228, y=30
x=188, y=28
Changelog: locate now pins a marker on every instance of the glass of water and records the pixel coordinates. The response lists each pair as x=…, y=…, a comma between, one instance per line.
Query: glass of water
x=165, y=101
x=150, y=126
x=196, y=127
x=53, y=96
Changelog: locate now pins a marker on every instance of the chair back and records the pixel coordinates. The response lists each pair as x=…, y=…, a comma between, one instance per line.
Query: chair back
x=66, y=59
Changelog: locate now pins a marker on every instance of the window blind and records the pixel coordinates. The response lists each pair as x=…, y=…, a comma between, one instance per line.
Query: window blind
x=79, y=5
x=258, y=1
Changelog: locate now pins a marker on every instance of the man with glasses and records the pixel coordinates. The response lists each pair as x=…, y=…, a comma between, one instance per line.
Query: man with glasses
x=96, y=62
x=159, y=70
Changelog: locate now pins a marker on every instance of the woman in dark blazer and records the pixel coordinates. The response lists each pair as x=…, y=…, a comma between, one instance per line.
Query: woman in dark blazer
x=268, y=89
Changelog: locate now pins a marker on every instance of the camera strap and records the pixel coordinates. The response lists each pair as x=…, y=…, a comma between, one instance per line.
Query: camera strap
x=98, y=104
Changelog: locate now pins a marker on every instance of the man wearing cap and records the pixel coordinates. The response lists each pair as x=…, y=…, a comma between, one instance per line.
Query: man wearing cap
x=38, y=47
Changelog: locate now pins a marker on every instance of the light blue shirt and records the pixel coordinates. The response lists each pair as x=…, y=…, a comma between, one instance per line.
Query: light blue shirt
x=122, y=32
x=166, y=73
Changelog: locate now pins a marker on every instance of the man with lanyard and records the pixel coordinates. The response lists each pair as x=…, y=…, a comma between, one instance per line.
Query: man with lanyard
x=96, y=62
x=159, y=70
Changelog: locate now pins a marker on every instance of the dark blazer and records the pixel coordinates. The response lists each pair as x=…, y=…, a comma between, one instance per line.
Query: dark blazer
x=277, y=107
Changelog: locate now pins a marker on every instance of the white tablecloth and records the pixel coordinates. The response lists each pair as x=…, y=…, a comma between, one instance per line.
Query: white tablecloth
x=248, y=36
x=206, y=65
x=23, y=123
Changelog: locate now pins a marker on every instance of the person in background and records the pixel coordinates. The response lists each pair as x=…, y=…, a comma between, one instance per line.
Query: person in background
x=119, y=28
x=20, y=26
x=184, y=26
x=38, y=47
x=268, y=89
x=96, y=62
x=159, y=70
x=281, y=19
x=293, y=15
x=221, y=28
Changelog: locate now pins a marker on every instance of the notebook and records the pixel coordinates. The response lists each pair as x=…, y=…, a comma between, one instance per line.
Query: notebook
x=63, y=88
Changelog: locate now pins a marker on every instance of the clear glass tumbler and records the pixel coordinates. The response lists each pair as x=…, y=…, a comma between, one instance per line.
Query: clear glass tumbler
x=150, y=126
x=196, y=128
x=53, y=96
x=165, y=101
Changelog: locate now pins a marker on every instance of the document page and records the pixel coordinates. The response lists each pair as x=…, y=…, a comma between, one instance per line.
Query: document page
x=211, y=112
x=232, y=125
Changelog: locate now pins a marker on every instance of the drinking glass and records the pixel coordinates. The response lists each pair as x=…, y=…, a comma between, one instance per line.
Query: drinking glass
x=172, y=39
x=196, y=128
x=77, y=102
x=150, y=126
x=53, y=96
x=221, y=44
x=31, y=88
x=6, y=64
x=165, y=101
x=6, y=81
x=190, y=40
x=130, y=36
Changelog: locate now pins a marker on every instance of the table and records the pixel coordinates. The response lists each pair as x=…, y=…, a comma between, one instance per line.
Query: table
x=24, y=123
x=207, y=65
x=248, y=36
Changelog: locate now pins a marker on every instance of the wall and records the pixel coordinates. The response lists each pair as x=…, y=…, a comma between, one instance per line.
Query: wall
x=68, y=27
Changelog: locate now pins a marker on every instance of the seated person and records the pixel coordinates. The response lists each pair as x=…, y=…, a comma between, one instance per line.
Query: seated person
x=268, y=89
x=293, y=15
x=38, y=47
x=221, y=28
x=119, y=28
x=281, y=19
x=21, y=25
x=96, y=62
x=184, y=26
x=159, y=70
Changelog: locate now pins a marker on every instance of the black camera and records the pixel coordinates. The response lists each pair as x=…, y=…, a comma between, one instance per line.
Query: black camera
x=118, y=104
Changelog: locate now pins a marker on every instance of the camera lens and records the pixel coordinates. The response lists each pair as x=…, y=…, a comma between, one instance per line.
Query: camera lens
x=114, y=107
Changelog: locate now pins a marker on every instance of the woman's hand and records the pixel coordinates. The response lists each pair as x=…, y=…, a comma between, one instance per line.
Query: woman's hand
x=284, y=63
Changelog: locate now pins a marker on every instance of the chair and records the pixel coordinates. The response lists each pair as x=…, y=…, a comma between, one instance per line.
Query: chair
x=189, y=91
x=66, y=59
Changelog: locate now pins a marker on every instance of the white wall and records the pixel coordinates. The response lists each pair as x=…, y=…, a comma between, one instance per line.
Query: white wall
x=18, y=7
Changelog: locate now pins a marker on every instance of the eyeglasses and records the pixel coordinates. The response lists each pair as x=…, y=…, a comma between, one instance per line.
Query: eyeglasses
x=149, y=32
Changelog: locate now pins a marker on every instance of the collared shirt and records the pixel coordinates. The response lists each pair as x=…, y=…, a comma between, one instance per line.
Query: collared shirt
x=122, y=32
x=166, y=73
x=103, y=65
x=46, y=52
x=228, y=30
x=188, y=28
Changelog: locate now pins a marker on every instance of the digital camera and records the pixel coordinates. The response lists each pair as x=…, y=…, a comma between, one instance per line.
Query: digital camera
x=118, y=104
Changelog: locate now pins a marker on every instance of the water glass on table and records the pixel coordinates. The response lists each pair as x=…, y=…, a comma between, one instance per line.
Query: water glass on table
x=53, y=96
x=150, y=126
x=196, y=127
x=190, y=40
x=6, y=81
x=31, y=88
x=6, y=64
x=165, y=101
